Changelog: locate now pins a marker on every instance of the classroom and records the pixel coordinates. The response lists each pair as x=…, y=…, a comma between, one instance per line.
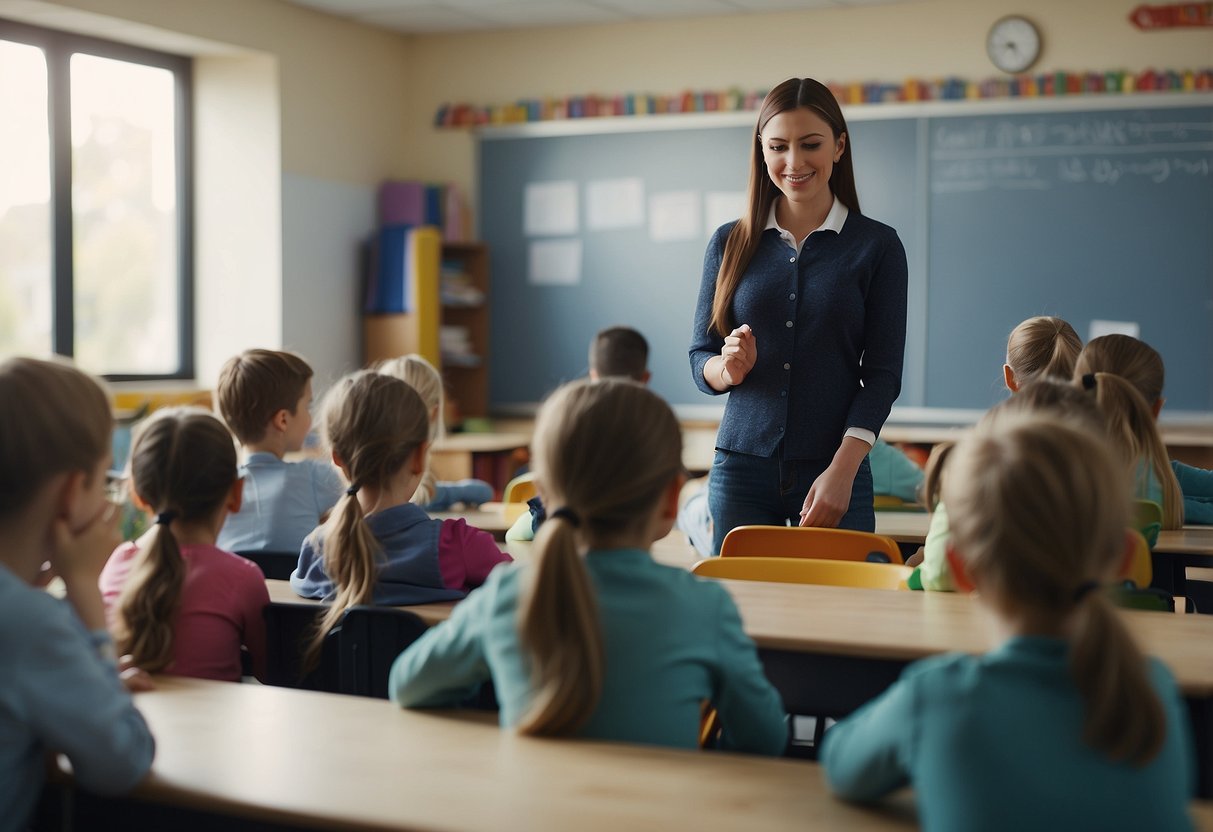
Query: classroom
x=304, y=115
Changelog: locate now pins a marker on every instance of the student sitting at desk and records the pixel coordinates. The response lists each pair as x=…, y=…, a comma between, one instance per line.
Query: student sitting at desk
x=266, y=398
x=61, y=690
x=1064, y=726
x=596, y=639
x=176, y=601
x=378, y=547
x=615, y=352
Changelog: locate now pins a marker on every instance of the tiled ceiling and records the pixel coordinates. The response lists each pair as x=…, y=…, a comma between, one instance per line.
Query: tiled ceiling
x=430, y=16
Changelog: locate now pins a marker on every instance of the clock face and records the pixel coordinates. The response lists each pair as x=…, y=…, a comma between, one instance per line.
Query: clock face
x=1013, y=44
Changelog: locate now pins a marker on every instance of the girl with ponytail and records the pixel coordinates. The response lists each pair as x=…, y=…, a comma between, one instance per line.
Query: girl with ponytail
x=377, y=547
x=177, y=603
x=1039, y=508
x=594, y=638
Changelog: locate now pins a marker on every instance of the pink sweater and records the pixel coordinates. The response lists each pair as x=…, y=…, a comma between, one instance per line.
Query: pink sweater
x=221, y=609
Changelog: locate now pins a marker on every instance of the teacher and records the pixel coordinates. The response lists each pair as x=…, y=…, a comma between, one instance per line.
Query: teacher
x=801, y=318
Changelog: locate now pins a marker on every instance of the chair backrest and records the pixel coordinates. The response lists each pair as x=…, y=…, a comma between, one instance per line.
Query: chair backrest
x=520, y=489
x=1147, y=519
x=371, y=638
x=288, y=630
x=806, y=571
x=809, y=542
x=1139, y=569
x=276, y=565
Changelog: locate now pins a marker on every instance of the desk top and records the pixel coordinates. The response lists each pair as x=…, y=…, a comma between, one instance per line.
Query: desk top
x=370, y=765
x=481, y=442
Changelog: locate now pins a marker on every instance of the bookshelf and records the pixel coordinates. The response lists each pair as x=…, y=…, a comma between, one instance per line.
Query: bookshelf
x=463, y=334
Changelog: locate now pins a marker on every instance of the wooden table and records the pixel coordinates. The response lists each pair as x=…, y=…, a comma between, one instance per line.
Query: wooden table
x=486, y=456
x=298, y=758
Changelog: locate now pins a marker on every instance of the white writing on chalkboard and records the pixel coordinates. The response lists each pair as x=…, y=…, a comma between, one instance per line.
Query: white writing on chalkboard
x=1041, y=154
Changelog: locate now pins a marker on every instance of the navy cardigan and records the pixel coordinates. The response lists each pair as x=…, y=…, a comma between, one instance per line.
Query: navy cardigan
x=814, y=318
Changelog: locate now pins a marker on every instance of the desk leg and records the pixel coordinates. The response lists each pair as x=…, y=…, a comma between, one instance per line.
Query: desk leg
x=1200, y=712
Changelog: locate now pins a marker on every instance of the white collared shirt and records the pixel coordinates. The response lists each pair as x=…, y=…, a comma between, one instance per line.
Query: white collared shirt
x=833, y=222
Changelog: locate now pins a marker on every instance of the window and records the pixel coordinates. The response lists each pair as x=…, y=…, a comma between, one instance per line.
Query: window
x=95, y=220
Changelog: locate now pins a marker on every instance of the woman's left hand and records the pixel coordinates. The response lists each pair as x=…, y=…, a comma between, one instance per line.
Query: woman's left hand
x=828, y=498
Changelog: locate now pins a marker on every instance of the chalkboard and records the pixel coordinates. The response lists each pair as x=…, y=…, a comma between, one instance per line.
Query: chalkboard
x=1089, y=214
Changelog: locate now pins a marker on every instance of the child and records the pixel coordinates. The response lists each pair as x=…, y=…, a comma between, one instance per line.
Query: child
x=175, y=601
x=620, y=352
x=1135, y=436
x=1141, y=365
x=378, y=547
x=596, y=639
x=1045, y=395
x=1043, y=347
x=1065, y=725
x=265, y=398
x=61, y=690
x=433, y=495
x=1040, y=347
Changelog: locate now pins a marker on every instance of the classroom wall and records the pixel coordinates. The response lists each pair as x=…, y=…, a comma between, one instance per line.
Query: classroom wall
x=921, y=38
x=285, y=192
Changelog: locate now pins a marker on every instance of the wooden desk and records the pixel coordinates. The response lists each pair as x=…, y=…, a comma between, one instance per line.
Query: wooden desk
x=281, y=593
x=486, y=456
x=489, y=517
x=286, y=757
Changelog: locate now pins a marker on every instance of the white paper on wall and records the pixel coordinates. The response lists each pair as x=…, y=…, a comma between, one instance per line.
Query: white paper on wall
x=1130, y=328
x=675, y=215
x=720, y=207
x=614, y=203
x=554, y=263
x=550, y=208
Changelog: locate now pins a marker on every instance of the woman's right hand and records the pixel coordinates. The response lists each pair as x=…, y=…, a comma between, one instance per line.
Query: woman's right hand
x=740, y=351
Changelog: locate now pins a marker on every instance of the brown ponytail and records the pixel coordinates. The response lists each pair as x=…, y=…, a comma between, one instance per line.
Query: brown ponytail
x=604, y=453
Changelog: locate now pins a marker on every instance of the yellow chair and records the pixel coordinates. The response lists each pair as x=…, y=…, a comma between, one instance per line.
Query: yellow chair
x=1140, y=569
x=806, y=571
x=520, y=489
x=809, y=542
x=1147, y=519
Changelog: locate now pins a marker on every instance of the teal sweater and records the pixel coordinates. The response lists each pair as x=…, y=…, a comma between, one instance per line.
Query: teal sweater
x=671, y=641
x=995, y=743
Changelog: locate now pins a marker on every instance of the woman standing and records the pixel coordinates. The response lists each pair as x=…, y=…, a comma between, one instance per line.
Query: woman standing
x=801, y=318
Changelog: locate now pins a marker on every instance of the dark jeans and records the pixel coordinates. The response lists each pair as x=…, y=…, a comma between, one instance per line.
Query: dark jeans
x=749, y=490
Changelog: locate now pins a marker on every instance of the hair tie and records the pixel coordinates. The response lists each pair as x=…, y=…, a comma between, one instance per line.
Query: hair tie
x=567, y=513
x=352, y=490
x=1088, y=381
x=1085, y=589
x=166, y=518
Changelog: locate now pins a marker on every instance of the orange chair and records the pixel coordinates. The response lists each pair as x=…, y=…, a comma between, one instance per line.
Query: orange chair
x=806, y=571
x=809, y=542
x=1140, y=569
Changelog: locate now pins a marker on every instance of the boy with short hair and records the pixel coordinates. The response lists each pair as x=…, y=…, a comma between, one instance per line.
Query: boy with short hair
x=615, y=352
x=265, y=397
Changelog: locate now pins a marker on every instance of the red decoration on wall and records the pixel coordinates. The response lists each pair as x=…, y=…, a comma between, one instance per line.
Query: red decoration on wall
x=1172, y=15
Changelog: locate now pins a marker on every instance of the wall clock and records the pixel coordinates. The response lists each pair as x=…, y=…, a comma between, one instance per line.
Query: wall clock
x=1013, y=44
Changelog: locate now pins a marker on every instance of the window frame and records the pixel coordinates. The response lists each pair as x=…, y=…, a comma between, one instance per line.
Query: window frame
x=58, y=48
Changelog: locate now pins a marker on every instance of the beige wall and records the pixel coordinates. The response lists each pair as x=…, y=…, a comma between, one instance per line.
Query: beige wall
x=923, y=38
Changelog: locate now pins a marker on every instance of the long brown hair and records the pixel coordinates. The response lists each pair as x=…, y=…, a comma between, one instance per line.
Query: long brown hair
x=1038, y=508
x=743, y=240
x=373, y=422
x=606, y=451
x=53, y=419
x=1130, y=358
x=183, y=466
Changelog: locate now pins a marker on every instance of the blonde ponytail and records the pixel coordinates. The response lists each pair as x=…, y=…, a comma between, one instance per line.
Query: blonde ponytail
x=604, y=453
x=559, y=625
x=1038, y=508
x=1042, y=347
x=421, y=375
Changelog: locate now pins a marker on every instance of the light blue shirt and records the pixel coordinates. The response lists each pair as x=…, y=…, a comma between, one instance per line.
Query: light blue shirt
x=57, y=692
x=995, y=742
x=671, y=641
x=283, y=502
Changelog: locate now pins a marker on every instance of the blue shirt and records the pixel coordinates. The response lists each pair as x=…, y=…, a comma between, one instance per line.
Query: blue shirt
x=670, y=640
x=57, y=692
x=814, y=316
x=1197, y=487
x=283, y=502
x=995, y=742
